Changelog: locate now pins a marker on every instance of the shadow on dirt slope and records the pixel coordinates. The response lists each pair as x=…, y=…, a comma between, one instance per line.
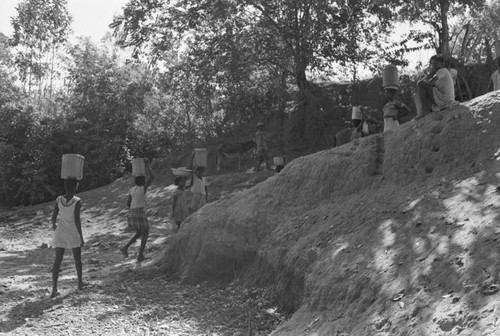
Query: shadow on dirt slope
x=393, y=234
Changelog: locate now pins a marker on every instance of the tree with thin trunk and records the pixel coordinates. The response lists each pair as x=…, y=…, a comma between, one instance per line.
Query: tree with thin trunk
x=435, y=13
x=40, y=28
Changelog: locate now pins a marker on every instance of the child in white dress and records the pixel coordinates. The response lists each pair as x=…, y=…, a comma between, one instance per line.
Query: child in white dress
x=180, y=209
x=199, y=189
x=67, y=232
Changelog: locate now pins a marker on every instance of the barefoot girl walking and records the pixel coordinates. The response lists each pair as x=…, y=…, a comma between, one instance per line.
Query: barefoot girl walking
x=136, y=216
x=68, y=232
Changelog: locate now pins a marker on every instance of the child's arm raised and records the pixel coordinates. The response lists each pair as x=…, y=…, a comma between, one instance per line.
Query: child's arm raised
x=54, y=216
x=206, y=191
x=174, y=202
x=78, y=222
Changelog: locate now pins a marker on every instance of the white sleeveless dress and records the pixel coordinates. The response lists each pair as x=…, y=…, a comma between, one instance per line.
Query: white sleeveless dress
x=66, y=235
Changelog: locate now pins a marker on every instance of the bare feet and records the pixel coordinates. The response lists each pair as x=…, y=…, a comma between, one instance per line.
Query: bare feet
x=54, y=294
x=123, y=250
x=82, y=285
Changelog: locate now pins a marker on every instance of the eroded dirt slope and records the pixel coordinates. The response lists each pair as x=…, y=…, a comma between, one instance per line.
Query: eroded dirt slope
x=393, y=234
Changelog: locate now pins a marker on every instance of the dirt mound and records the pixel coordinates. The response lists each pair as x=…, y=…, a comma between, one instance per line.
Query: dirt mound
x=392, y=234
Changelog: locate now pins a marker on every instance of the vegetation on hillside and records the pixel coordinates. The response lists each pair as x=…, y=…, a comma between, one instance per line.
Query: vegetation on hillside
x=198, y=71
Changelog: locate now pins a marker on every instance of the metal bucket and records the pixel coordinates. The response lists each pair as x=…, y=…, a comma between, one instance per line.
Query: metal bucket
x=390, y=77
x=72, y=166
x=279, y=161
x=357, y=112
x=200, y=157
x=138, y=167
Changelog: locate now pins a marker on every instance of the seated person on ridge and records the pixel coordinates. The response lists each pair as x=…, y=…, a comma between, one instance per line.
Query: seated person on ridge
x=494, y=83
x=437, y=91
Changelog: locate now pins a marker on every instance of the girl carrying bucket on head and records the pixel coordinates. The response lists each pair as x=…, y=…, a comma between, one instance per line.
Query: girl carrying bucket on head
x=68, y=232
x=179, y=205
x=393, y=109
x=199, y=189
x=136, y=216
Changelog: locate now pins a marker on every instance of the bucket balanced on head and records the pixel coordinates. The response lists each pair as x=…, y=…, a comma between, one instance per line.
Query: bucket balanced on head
x=72, y=166
x=357, y=113
x=138, y=167
x=200, y=157
x=390, y=78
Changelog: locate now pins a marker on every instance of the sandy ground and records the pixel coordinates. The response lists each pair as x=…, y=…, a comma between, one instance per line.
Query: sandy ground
x=123, y=297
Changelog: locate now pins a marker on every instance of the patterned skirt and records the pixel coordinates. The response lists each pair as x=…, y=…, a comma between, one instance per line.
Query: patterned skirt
x=137, y=219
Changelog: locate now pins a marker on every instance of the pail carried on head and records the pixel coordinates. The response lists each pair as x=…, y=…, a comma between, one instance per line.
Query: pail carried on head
x=357, y=112
x=279, y=161
x=200, y=157
x=497, y=48
x=72, y=166
x=138, y=167
x=181, y=171
x=390, y=77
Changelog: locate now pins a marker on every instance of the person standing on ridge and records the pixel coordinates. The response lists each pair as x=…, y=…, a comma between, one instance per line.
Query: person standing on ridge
x=180, y=210
x=260, y=141
x=199, y=189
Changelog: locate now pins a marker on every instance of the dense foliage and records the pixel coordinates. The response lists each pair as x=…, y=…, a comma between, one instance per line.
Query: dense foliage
x=200, y=71
x=101, y=112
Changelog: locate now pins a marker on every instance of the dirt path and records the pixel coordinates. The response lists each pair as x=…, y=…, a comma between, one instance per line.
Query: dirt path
x=123, y=297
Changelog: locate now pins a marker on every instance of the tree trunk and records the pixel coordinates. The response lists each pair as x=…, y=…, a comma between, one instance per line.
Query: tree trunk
x=464, y=42
x=52, y=71
x=444, y=38
x=300, y=76
x=445, y=47
x=489, y=52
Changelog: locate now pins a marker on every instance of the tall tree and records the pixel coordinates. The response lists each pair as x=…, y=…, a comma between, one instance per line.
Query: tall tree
x=296, y=36
x=40, y=27
x=8, y=90
x=107, y=96
x=475, y=33
x=228, y=43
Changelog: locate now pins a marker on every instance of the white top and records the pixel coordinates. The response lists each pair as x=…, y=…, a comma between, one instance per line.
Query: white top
x=495, y=78
x=138, y=197
x=445, y=83
x=66, y=235
x=199, y=185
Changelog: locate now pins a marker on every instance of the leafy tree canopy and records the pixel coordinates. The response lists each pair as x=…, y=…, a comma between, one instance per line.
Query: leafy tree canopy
x=294, y=36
